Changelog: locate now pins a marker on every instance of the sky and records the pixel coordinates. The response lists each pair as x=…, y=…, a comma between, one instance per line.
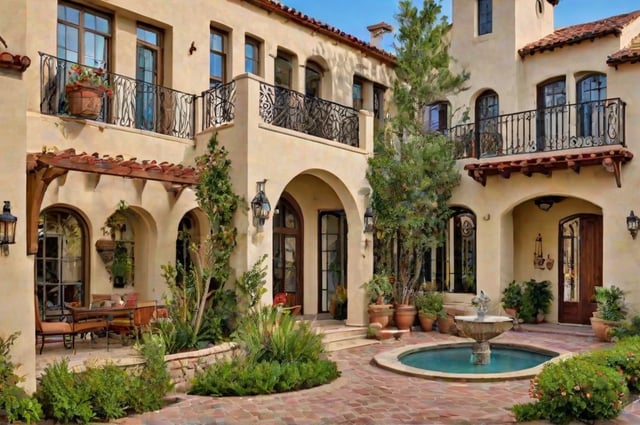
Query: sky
x=353, y=16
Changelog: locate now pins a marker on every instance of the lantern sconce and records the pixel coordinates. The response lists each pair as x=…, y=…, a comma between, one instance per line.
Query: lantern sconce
x=633, y=222
x=368, y=220
x=260, y=206
x=538, y=257
x=7, y=228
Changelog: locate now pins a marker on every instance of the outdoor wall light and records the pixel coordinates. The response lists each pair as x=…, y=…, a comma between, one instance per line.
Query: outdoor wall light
x=546, y=202
x=7, y=228
x=260, y=206
x=633, y=222
x=368, y=220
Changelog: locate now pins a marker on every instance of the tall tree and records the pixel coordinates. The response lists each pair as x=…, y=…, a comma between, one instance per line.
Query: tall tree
x=413, y=171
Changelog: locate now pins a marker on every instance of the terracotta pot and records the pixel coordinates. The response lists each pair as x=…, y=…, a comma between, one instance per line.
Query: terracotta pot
x=445, y=324
x=426, y=322
x=85, y=102
x=380, y=313
x=404, y=316
x=602, y=328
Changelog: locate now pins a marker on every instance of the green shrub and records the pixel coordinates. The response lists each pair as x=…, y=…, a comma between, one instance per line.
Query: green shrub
x=61, y=398
x=625, y=358
x=105, y=392
x=271, y=335
x=574, y=389
x=243, y=377
x=628, y=329
x=15, y=402
x=151, y=382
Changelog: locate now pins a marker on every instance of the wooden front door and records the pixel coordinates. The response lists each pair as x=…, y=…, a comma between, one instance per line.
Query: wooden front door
x=580, y=267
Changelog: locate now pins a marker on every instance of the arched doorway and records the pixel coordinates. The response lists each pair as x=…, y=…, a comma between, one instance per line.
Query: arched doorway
x=580, y=268
x=60, y=264
x=287, y=250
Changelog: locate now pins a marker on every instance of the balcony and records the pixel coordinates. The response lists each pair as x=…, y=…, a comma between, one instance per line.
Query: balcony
x=289, y=109
x=158, y=109
x=134, y=103
x=582, y=125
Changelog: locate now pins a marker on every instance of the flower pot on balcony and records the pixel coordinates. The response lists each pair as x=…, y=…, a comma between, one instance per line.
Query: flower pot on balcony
x=105, y=248
x=85, y=101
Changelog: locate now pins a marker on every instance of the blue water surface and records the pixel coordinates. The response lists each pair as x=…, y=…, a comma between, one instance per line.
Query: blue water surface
x=458, y=360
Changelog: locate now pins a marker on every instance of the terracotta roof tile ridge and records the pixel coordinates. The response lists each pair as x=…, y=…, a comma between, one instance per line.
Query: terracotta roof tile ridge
x=329, y=30
x=630, y=54
x=575, y=34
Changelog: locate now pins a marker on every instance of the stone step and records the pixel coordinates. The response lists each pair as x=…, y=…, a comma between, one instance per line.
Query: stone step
x=343, y=333
x=348, y=343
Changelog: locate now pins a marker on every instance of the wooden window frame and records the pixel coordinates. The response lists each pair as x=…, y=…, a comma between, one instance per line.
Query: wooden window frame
x=81, y=27
x=215, y=80
x=485, y=17
x=257, y=47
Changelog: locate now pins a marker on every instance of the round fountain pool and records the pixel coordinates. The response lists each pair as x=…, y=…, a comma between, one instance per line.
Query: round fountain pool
x=453, y=361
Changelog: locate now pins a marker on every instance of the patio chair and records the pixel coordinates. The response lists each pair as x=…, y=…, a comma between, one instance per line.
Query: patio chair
x=64, y=329
x=144, y=313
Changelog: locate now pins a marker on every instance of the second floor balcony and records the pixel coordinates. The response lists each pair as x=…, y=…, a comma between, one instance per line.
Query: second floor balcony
x=141, y=105
x=564, y=127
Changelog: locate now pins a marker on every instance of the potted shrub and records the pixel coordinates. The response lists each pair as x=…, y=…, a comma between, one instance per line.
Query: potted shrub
x=512, y=299
x=379, y=291
x=430, y=306
x=610, y=313
x=85, y=89
x=536, y=300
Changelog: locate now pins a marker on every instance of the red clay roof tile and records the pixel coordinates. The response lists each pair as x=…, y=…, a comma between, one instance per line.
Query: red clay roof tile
x=578, y=33
x=629, y=55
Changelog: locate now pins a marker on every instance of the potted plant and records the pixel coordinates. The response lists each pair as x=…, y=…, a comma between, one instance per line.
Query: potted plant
x=121, y=266
x=430, y=306
x=611, y=311
x=338, y=303
x=512, y=299
x=85, y=89
x=536, y=300
x=379, y=291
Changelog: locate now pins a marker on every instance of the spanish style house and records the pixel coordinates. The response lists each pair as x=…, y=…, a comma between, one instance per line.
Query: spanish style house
x=545, y=134
x=294, y=101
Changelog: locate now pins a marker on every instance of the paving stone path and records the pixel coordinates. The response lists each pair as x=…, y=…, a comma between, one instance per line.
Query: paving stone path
x=368, y=395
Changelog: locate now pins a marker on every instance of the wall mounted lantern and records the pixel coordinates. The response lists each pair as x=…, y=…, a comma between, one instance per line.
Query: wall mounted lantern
x=633, y=222
x=538, y=257
x=260, y=206
x=7, y=228
x=368, y=220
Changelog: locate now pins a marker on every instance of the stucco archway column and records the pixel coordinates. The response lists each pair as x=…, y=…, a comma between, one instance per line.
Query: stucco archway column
x=359, y=268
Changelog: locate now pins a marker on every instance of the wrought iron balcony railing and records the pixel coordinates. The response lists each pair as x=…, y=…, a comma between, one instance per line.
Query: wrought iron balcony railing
x=573, y=126
x=219, y=105
x=134, y=103
x=296, y=111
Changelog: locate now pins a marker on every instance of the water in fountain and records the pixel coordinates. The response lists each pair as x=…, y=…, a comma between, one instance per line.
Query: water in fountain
x=482, y=328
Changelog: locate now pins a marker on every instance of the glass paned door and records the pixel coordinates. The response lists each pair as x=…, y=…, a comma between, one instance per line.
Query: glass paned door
x=287, y=251
x=147, y=67
x=592, y=92
x=333, y=258
x=552, y=116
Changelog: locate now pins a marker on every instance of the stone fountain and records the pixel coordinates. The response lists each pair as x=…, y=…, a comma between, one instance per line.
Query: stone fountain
x=482, y=328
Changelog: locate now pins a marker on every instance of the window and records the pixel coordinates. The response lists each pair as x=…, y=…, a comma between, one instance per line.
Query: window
x=147, y=71
x=552, y=115
x=84, y=35
x=358, y=95
x=591, y=94
x=332, y=255
x=457, y=256
x=283, y=70
x=252, y=56
x=312, y=79
x=435, y=117
x=488, y=138
x=378, y=106
x=217, y=57
x=59, y=263
x=485, y=17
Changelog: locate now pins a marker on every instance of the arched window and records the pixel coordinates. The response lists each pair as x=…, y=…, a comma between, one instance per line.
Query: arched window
x=60, y=261
x=312, y=79
x=488, y=139
x=591, y=94
x=453, y=265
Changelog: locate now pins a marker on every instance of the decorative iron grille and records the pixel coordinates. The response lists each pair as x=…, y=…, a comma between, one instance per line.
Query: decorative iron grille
x=218, y=105
x=572, y=126
x=295, y=111
x=134, y=103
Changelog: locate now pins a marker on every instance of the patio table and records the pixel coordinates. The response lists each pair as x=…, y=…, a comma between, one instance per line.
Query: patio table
x=104, y=313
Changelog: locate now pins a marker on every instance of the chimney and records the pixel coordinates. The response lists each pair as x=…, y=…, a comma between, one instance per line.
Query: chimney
x=377, y=31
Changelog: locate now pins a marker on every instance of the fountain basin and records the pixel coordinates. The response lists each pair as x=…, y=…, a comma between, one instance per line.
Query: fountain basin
x=391, y=360
x=483, y=328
